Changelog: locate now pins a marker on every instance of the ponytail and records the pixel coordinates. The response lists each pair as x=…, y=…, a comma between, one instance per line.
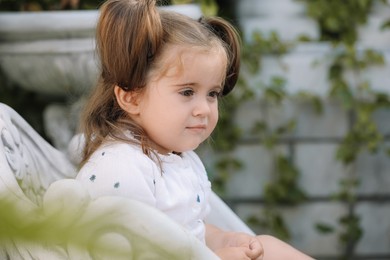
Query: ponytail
x=229, y=36
x=129, y=34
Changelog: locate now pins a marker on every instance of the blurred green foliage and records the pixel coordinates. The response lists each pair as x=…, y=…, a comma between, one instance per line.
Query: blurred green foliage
x=339, y=20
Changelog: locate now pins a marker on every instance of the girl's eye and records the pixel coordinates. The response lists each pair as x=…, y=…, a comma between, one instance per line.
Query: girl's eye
x=187, y=92
x=215, y=94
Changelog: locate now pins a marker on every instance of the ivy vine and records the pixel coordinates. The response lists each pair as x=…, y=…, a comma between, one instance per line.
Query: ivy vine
x=338, y=22
x=340, y=25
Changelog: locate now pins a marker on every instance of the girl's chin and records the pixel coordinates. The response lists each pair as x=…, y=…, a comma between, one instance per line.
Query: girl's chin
x=178, y=149
x=186, y=149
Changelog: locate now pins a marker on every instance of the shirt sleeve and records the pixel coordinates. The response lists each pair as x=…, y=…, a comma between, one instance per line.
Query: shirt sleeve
x=120, y=170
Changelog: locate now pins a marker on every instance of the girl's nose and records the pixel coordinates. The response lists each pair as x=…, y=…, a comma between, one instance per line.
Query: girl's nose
x=202, y=107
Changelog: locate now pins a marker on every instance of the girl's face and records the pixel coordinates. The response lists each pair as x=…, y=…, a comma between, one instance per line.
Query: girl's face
x=179, y=109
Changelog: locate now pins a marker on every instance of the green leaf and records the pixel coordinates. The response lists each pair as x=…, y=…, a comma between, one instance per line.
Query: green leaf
x=324, y=228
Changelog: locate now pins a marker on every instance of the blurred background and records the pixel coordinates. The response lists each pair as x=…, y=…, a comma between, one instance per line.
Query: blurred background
x=302, y=147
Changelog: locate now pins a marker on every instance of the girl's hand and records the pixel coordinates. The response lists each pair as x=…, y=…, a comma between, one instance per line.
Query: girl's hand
x=235, y=253
x=243, y=244
x=249, y=242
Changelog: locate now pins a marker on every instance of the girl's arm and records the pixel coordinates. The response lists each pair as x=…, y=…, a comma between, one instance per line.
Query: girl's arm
x=214, y=237
x=255, y=247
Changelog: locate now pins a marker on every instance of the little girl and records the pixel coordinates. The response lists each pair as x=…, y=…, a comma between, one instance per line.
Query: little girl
x=162, y=75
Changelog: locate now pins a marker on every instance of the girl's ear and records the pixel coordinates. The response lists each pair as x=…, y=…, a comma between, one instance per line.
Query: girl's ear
x=127, y=100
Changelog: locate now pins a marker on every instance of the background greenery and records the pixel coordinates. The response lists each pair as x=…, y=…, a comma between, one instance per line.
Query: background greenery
x=338, y=22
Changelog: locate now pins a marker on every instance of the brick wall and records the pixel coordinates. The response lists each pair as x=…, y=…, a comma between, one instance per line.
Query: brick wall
x=313, y=143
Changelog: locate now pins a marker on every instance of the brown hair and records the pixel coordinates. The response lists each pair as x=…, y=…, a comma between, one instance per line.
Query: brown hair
x=130, y=36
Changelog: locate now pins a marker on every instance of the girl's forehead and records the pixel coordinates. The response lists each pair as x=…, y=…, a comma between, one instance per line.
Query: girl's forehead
x=174, y=57
x=178, y=51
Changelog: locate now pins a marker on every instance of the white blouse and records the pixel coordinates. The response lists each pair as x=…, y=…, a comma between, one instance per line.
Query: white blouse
x=181, y=189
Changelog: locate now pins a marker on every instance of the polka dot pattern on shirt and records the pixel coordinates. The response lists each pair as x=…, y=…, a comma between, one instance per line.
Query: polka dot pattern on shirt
x=93, y=178
x=181, y=190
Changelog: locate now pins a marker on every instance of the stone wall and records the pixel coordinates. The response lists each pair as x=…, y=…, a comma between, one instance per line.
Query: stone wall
x=313, y=143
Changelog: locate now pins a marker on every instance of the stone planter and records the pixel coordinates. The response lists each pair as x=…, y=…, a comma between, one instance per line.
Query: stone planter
x=53, y=52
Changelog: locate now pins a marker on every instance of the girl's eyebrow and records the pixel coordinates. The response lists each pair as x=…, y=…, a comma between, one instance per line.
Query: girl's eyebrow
x=190, y=84
x=185, y=84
